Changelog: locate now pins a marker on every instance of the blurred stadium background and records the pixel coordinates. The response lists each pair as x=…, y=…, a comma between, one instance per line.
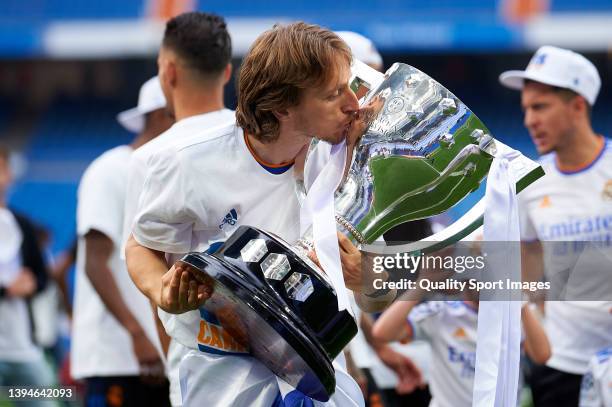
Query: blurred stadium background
x=68, y=66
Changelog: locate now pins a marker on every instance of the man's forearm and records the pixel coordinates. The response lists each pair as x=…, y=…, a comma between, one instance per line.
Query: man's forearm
x=146, y=268
x=532, y=261
x=391, y=325
x=98, y=251
x=104, y=283
x=370, y=304
x=370, y=297
x=536, y=342
x=366, y=323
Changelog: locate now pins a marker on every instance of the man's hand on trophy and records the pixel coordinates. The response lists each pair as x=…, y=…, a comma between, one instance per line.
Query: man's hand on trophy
x=181, y=292
x=350, y=259
x=363, y=118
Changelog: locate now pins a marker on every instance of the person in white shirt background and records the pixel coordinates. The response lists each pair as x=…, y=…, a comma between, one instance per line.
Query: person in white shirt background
x=22, y=275
x=451, y=329
x=115, y=347
x=200, y=44
x=563, y=210
x=596, y=389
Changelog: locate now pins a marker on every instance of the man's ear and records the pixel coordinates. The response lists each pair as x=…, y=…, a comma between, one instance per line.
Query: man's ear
x=227, y=73
x=579, y=105
x=171, y=73
x=167, y=73
x=282, y=115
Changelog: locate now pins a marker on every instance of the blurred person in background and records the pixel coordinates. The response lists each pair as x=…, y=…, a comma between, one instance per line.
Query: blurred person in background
x=558, y=90
x=451, y=328
x=46, y=309
x=63, y=265
x=63, y=274
x=22, y=275
x=113, y=333
x=363, y=49
x=397, y=372
x=596, y=389
x=195, y=62
x=388, y=375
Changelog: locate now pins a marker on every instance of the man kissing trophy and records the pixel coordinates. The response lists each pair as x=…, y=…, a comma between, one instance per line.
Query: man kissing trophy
x=414, y=151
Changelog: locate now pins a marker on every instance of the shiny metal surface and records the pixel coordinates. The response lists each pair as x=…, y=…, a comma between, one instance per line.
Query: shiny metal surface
x=418, y=151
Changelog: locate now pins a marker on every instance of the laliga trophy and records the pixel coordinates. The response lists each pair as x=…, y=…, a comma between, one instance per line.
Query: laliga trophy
x=419, y=151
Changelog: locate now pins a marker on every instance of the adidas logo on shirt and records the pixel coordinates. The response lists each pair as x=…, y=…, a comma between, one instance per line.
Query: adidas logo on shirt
x=230, y=219
x=545, y=202
x=460, y=333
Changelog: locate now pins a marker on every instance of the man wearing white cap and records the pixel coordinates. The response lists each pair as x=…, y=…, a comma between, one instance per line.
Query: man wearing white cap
x=150, y=117
x=115, y=347
x=558, y=89
x=362, y=48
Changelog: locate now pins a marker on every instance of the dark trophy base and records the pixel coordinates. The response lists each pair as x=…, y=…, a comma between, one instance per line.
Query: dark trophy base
x=276, y=307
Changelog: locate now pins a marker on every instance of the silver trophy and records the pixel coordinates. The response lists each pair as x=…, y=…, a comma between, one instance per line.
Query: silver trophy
x=418, y=151
x=415, y=150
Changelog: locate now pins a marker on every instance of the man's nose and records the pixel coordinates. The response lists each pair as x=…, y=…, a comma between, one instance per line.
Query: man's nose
x=529, y=120
x=351, y=104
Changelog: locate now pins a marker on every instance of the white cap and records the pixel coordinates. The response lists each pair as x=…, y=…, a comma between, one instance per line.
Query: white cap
x=362, y=48
x=558, y=67
x=150, y=98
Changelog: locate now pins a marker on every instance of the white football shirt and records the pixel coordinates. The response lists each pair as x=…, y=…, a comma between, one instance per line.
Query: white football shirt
x=450, y=327
x=180, y=131
x=16, y=343
x=596, y=389
x=198, y=192
x=570, y=208
x=100, y=345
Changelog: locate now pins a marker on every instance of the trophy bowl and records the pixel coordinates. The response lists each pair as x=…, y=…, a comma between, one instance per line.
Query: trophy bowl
x=421, y=153
x=277, y=307
x=417, y=152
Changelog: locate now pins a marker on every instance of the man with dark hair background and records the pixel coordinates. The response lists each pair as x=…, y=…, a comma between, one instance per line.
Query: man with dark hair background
x=194, y=65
